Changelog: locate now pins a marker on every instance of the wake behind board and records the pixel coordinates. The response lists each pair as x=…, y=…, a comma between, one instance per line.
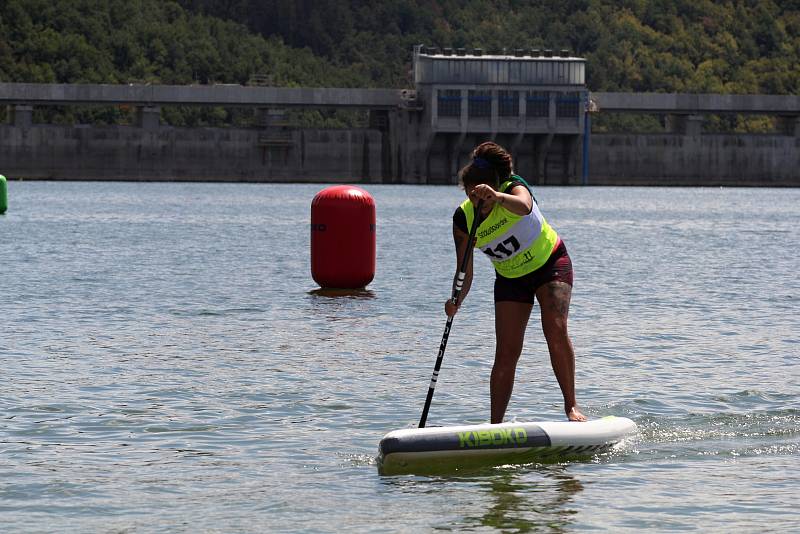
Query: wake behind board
x=436, y=449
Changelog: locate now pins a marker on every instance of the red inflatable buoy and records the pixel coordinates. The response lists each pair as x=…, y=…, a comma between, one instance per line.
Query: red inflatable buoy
x=343, y=237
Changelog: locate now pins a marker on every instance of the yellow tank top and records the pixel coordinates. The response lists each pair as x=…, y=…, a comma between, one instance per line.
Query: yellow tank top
x=516, y=244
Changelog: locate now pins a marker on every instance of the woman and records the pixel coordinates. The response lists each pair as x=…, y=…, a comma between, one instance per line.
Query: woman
x=530, y=261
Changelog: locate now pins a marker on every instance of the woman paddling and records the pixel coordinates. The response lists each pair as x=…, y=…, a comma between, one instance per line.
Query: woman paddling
x=530, y=261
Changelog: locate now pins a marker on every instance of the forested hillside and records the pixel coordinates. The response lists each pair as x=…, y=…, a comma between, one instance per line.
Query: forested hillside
x=634, y=45
x=742, y=46
x=631, y=45
x=146, y=41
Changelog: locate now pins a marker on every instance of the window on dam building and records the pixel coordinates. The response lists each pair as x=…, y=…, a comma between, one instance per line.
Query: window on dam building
x=449, y=102
x=480, y=103
x=568, y=105
x=508, y=103
x=538, y=104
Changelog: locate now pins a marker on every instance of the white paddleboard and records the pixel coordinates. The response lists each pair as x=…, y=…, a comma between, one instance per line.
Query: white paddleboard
x=433, y=449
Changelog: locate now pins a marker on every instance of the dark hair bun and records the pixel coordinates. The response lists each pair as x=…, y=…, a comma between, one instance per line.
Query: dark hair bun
x=497, y=157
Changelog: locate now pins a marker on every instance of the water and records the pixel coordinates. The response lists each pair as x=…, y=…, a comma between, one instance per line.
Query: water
x=168, y=367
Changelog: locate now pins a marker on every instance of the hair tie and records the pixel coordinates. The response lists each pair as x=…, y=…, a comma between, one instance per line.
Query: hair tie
x=481, y=163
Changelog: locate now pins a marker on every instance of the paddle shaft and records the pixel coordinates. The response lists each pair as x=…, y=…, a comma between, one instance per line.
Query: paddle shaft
x=462, y=273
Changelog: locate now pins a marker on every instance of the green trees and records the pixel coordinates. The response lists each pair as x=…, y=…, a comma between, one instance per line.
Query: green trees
x=145, y=41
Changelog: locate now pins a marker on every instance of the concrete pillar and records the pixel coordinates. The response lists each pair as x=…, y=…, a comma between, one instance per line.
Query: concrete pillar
x=551, y=113
x=572, y=156
x=464, y=111
x=455, y=152
x=148, y=117
x=517, y=141
x=694, y=125
x=262, y=117
x=541, y=146
x=690, y=125
x=22, y=116
x=789, y=125
x=433, y=104
x=385, y=122
x=495, y=113
x=450, y=158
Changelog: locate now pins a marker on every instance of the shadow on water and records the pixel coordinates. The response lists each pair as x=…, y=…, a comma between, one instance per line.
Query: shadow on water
x=325, y=292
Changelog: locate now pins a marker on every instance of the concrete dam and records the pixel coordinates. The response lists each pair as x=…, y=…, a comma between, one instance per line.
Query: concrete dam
x=535, y=103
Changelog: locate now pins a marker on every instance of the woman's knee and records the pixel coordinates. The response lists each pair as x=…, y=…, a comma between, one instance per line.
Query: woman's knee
x=506, y=356
x=503, y=372
x=556, y=333
x=554, y=326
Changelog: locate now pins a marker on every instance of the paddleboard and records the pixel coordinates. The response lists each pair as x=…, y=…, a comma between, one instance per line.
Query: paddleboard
x=434, y=449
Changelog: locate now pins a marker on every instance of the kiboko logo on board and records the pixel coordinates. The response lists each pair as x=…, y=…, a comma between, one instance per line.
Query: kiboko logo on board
x=502, y=436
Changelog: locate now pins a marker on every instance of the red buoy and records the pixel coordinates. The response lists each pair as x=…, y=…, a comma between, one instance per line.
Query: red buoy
x=343, y=237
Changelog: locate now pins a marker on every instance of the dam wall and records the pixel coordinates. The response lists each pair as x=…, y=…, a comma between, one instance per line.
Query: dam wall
x=700, y=160
x=53, y=152
x=57, y=152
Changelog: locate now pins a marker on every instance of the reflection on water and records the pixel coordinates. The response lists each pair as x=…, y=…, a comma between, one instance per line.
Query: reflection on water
x=526, y=502
x=361, y=293
x=518, y=498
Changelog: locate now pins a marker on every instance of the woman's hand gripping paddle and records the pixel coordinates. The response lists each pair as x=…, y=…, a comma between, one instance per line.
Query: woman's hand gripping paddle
x=462, y=273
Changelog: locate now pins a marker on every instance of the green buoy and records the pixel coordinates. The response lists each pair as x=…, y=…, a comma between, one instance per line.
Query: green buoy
x=3, y=194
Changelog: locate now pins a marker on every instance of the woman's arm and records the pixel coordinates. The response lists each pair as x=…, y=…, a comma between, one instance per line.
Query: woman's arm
x=462, y=242
x=517, y=201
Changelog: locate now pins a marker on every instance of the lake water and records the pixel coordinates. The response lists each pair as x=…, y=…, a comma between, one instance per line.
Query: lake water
x=168, y=367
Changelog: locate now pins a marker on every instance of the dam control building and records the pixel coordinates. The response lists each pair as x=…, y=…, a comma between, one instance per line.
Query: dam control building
x=531, y=101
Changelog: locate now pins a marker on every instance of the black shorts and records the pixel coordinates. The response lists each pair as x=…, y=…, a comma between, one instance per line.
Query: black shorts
x=523, y=289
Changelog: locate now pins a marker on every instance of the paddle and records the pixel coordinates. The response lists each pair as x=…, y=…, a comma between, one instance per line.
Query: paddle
x=462, y=272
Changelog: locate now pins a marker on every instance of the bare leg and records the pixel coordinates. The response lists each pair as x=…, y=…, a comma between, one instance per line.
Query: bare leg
x=554, y=300
x=511, y=319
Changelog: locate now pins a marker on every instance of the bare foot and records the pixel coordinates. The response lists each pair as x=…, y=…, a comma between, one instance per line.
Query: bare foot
x=574, y=414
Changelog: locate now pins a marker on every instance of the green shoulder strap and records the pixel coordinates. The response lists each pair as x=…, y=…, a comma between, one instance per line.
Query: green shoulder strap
x=530, y=189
